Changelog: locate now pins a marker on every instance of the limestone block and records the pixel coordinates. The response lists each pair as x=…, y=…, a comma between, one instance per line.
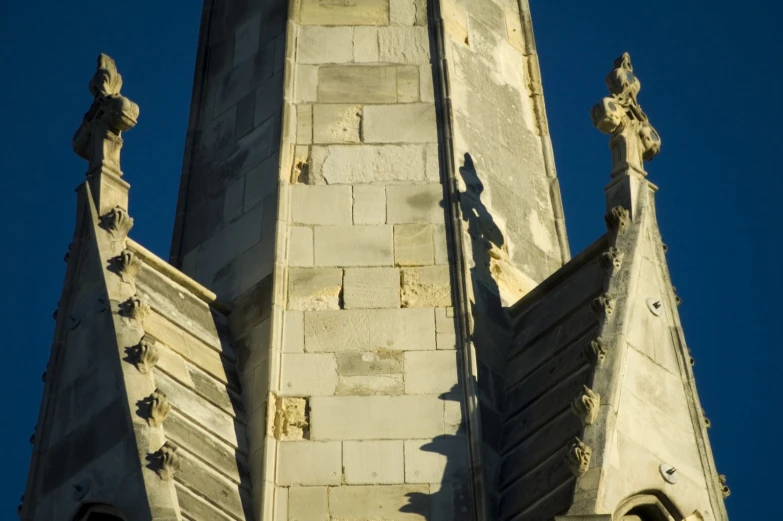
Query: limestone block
x=444, y=320
x=403, y=45
x=309, y=463
x=319, y=204
x=306, y=83
x=369, y=363
x=304, y=124
x=369, y=204
x=370, y=330
x=432, y=163
x=366, y=12
x=446, y=341
x=353, y=246
x=314, y=288
x=402, y=12
x=375, y=417
x=387, y=503
x=309, y=374
x=407, y=123
x=407, y=84
x=300, y=246
x=441, y=245
x=293, y=332
x=414, y=204
x=453, y=416
x=373, y=462
x=246, y=39
x=308, y=504
x=444, y=459
x=384, y=384
x=426, y=286
x=324, y=45
x=514, y=31
x=425, y=80
x=281, y=504
x=357, y=84
x=261, y=181
x=371, y=288
x=413, y=245
x=232, y=201
x=430, y=372
x=336, y=123
x=365, y=44
x=345, y=164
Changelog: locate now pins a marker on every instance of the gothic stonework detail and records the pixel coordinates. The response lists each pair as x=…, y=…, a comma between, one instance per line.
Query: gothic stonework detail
x=633, y=140
x=617, y=219
x=290, y=418
x=136, y=308
x=612, y=258
x=604, y=305
x=128, y=265
x=723, y=488
x=165, y=462
x=586, y=406
x=144, y=355
x=159, y=408
x=578, y=457
x=596, y=351
x=98, y=137
x=117, y=222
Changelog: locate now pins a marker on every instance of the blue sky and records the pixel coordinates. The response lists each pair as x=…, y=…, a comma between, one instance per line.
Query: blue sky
x=710, y=74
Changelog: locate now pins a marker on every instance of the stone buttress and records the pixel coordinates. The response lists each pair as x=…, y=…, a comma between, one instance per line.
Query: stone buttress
x=369, y=184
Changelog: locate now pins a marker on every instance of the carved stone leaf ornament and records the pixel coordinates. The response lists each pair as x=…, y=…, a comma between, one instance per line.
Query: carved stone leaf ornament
x=612, y=258
x=117, y=222
x=578, y=457
x=596, y=351
x=586, y=406
x=617, y=219
x=136, y=308
x=603, y=306
x=159, y=408
x=145, y=355
x=128, y=265
x=166, y=461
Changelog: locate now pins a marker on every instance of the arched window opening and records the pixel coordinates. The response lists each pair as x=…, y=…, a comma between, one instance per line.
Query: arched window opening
x=652, y=506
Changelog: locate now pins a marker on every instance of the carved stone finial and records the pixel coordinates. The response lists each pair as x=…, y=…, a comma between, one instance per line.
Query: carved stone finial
x=128, y=265
x=612, y=258
x=603, y=306
x=586, y=406
x=578, y=457
x=144, y=355
x=165, y=462
x=98, y=137
x=117, y=222
x=617, y=219
x=135, y=307
x=596, y=351
x=724, y=489
x=158, y=408
x=633, y=139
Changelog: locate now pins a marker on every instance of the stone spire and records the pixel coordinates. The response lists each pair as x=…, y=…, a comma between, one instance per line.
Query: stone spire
x=98, y=138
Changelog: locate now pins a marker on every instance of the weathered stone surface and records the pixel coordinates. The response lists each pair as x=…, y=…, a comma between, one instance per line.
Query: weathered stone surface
x=413, y=245
x=369, y=204
x=314, y=288
x=357, y=84
x=366, y=12
x=304, y=124
x=403, y=45
x=309, y=374
x=308, y=504
x=365, y=44
x=402, y=12
x=300, y=246
x=407, y=123
x=427, y=90
x=414, y=204
x=371, y=288
x=389, y=503
x=427, y=286
x=353, y=246
x=336, y=123
x=343, y=164
x=375, y=417
x=324, y=44
x=369, y=363
x=384, y=384
x=442, y=460
x=453, y=416
x=370, y=330
x=319, y=204
x=407, y=84
x=306, y=83
x=430, y=372
x=373, y=462
x=309, y=463
x=293, y=332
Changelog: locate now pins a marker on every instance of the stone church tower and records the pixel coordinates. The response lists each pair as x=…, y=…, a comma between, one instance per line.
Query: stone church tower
x=370, y=312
